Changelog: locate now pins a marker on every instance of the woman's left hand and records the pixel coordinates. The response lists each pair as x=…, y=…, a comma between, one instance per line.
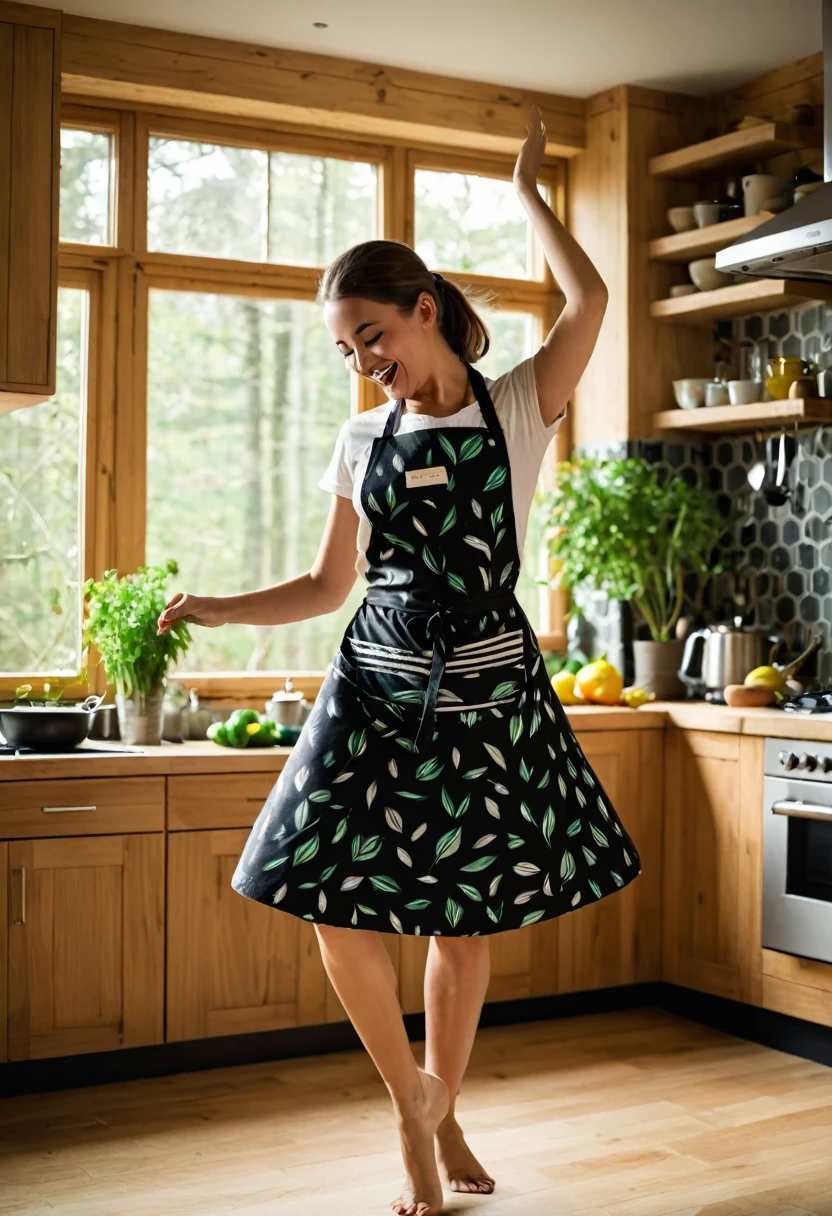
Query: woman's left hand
x=531, y=154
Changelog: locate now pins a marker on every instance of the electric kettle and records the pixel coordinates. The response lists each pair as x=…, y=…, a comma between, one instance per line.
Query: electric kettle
x=723, y=654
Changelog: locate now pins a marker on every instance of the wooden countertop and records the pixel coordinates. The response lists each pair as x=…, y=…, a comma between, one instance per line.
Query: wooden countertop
x=205, y=757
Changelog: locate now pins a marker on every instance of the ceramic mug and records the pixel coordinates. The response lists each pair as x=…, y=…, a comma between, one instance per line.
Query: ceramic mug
x=757, y=187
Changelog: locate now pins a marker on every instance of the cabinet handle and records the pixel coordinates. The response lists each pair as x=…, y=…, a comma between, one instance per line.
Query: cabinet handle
x=22, y=873
x=802, y=810
x=49, y=809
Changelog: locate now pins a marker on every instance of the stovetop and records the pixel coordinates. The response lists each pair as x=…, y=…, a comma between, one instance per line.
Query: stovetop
x=9, y=749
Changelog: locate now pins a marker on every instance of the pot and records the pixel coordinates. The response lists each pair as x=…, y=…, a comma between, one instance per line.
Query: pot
x=657, y=669
x=48, y=728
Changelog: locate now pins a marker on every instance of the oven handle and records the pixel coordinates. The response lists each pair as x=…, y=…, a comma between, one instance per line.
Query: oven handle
x=801, y=810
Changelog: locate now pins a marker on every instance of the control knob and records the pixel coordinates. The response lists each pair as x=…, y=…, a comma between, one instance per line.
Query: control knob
x=827, y=764
x=788, y=760
x=808, y=762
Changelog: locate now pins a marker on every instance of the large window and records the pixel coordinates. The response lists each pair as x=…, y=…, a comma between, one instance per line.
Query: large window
x=41, y=513
x=245, y=400
x=226, y=393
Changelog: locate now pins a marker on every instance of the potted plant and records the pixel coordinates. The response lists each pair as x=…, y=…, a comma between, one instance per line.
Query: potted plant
x=121, y=623
x=635, y=530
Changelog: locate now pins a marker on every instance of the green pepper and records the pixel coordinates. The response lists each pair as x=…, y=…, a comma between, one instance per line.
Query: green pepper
x=218, y=733
x=264, y=735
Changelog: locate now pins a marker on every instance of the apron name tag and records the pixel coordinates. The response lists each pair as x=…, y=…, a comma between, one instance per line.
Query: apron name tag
x=426, y=477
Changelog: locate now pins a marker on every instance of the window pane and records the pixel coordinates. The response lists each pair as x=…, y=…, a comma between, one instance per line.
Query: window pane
x=85, y=186
x=245, y=400
x=41, y=458
x=471, y=223
x=319, y=206
x=241, y=203
x=515, y=336
x=207, y=200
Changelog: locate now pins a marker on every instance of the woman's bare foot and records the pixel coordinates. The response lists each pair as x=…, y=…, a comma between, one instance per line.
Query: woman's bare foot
x=463, y=1170
x=421, y=1194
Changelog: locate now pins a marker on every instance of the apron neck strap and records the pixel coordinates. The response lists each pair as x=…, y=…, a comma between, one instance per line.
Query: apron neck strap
x=480, y=392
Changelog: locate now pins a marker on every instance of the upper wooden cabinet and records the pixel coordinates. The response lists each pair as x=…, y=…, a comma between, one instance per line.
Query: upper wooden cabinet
x=30, y=79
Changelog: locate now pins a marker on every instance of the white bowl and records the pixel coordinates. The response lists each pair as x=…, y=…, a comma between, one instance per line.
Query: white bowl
x=681, y=219
x=744, y=392
x=683, y=289
x=705, y=275
x=690, y=393
x=716, y=393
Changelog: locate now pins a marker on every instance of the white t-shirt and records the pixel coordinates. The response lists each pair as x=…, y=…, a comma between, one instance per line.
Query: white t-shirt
x=518, y=410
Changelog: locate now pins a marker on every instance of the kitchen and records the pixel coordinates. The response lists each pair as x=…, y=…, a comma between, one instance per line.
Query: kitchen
x=682, y=1025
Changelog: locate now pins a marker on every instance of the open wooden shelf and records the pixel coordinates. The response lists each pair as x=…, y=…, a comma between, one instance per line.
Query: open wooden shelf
x=700, y=242
x=757, y=295
x=727, y=419
x=736, y=150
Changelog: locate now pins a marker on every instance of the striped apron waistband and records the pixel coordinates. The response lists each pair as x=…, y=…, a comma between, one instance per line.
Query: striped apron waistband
x=437, y=613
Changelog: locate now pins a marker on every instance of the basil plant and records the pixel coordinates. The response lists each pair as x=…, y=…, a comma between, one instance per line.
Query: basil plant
x=633, y=530
x=122, y=615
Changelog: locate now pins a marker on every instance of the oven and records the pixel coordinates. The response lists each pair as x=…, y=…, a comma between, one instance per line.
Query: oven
x=797, y=848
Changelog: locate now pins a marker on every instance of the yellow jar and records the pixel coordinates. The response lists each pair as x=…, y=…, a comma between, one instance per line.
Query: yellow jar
x=781, y=371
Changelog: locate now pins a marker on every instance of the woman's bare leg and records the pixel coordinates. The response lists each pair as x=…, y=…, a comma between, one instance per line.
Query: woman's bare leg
x=362, y=974
x=456, y=978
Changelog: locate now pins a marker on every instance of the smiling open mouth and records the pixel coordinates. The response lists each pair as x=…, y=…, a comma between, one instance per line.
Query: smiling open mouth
x=386, y=375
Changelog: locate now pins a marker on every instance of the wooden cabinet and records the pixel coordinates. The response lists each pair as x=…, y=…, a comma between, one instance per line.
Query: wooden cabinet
x=618, y=940
x=83, y=878
x=713, y=863
x=234, y=965
x=29, y=173
x=86, y=944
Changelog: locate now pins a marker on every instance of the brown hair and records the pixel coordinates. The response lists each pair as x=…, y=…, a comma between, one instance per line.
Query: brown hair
x=390, y=272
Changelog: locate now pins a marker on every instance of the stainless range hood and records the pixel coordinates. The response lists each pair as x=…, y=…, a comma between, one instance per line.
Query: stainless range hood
x=797, y=244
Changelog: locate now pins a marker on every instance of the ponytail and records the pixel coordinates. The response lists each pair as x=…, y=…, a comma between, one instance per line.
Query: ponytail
x=390, y=272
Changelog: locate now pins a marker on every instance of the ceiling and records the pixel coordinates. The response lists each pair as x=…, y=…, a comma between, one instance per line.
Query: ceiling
x=576, y=47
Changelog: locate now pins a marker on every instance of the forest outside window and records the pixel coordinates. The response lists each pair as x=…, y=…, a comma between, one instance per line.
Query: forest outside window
x=86, y=189
x=246, y=204
x=42, y=521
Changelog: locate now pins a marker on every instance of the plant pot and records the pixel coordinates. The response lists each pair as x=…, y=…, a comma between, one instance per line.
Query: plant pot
x=140, y=717
x=657, y=669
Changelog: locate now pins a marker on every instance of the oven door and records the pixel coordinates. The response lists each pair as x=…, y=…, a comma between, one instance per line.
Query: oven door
x=797, y=867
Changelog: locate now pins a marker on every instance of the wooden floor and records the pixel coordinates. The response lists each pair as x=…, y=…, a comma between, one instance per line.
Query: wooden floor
x=637, y=1113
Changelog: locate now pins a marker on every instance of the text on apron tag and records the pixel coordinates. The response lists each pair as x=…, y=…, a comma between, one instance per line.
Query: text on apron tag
x=426, y=477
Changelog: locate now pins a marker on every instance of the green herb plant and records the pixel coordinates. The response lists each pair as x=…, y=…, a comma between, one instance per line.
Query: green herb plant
x=633, y=530
x=122, y=615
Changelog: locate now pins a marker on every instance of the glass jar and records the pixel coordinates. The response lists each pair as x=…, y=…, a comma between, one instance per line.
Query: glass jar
x=782, y=371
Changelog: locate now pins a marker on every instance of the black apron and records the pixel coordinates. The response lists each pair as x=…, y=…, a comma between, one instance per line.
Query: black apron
x=437, y=786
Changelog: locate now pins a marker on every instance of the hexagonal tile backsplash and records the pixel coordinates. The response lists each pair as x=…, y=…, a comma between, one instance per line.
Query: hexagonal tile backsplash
x=789, y=548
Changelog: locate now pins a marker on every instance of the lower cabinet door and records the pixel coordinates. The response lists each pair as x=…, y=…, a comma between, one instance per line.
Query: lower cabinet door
x=235, y=966
x=85, y=944
x=617, y=940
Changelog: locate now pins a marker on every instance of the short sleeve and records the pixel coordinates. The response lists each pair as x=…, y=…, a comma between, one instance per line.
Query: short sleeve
x=338, y=476
x=522, y=385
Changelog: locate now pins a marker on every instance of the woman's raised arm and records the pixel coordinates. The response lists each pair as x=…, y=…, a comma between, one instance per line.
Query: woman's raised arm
x=561, y=360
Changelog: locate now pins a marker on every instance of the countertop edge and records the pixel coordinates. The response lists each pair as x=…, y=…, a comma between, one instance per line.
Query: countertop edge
x=199, y=758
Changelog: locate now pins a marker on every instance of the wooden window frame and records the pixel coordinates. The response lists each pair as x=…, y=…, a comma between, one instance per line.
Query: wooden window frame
x=95, y=473
x=124, y=273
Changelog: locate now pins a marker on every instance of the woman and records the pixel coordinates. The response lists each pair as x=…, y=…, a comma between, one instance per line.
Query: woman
x=436, y=787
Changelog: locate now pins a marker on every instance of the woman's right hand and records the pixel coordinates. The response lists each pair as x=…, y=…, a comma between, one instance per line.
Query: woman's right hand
x=194, y=609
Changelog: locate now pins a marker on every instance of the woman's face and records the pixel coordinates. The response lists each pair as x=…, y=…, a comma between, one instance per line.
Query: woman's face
x=378, y=342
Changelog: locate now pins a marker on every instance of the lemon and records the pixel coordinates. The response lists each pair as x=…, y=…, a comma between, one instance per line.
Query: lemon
x=564, y=685
x=600, y=682
x=634, y=697
x=767, y=677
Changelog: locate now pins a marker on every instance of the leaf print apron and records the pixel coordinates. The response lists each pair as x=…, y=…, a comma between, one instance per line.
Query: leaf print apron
x=437, y=786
